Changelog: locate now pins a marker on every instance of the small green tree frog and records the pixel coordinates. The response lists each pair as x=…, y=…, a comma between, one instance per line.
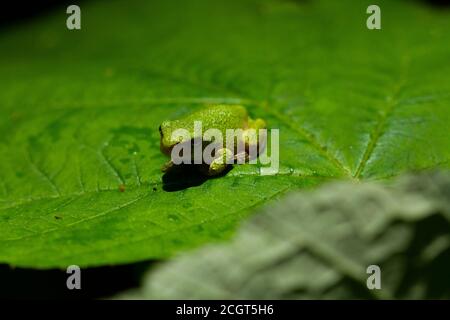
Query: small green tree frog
x=222, y=118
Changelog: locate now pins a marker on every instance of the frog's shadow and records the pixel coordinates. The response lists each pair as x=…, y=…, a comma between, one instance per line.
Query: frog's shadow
x=185, y=176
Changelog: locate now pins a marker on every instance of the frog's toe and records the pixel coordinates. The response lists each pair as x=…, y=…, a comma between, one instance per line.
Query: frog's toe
x=216, y=168
x=242, y=157
x=167, y=166
x=220, y=163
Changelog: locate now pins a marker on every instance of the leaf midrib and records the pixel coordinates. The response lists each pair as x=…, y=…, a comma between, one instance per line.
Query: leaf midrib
x=377, y=132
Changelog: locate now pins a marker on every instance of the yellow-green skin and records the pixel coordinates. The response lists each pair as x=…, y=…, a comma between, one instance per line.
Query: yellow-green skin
x=220, y=117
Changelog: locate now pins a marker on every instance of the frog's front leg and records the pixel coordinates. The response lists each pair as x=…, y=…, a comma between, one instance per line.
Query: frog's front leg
x=222, y=158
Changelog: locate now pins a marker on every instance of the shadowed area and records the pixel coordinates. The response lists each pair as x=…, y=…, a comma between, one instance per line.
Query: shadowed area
x=21, y=12
x=439, y=3
x=184, y=176
x=100, y=282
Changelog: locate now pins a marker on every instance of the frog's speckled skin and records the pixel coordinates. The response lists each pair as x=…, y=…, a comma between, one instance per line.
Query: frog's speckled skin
x=221, y=117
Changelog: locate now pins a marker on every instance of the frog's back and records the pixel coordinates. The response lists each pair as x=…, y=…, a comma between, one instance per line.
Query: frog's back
x=221, y=117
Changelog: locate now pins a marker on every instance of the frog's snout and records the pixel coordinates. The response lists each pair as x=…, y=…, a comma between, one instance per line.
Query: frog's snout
x=164, y=148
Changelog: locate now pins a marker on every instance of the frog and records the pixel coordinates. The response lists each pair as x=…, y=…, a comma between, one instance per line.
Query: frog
x=220, y=117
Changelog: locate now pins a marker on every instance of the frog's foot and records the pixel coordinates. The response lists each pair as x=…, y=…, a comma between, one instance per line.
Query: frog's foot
x=257, y=123
x=241, y=158
x=254, y=141
x=167, y=166
x=221, y=161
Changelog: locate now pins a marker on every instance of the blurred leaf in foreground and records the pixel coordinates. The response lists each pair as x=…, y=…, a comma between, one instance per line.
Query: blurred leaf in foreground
x=319, y=244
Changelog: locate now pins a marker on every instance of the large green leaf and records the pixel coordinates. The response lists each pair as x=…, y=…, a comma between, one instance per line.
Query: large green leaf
x=80, y=112
x=320, y=244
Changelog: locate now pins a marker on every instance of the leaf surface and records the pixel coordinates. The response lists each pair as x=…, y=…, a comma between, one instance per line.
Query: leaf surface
x=80, y=179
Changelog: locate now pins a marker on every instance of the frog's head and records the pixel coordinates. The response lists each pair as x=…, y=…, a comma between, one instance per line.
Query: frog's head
x=169, y=136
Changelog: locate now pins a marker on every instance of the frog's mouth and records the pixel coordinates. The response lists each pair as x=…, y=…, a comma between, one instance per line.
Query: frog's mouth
x=162, y=144
x=165, y=150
